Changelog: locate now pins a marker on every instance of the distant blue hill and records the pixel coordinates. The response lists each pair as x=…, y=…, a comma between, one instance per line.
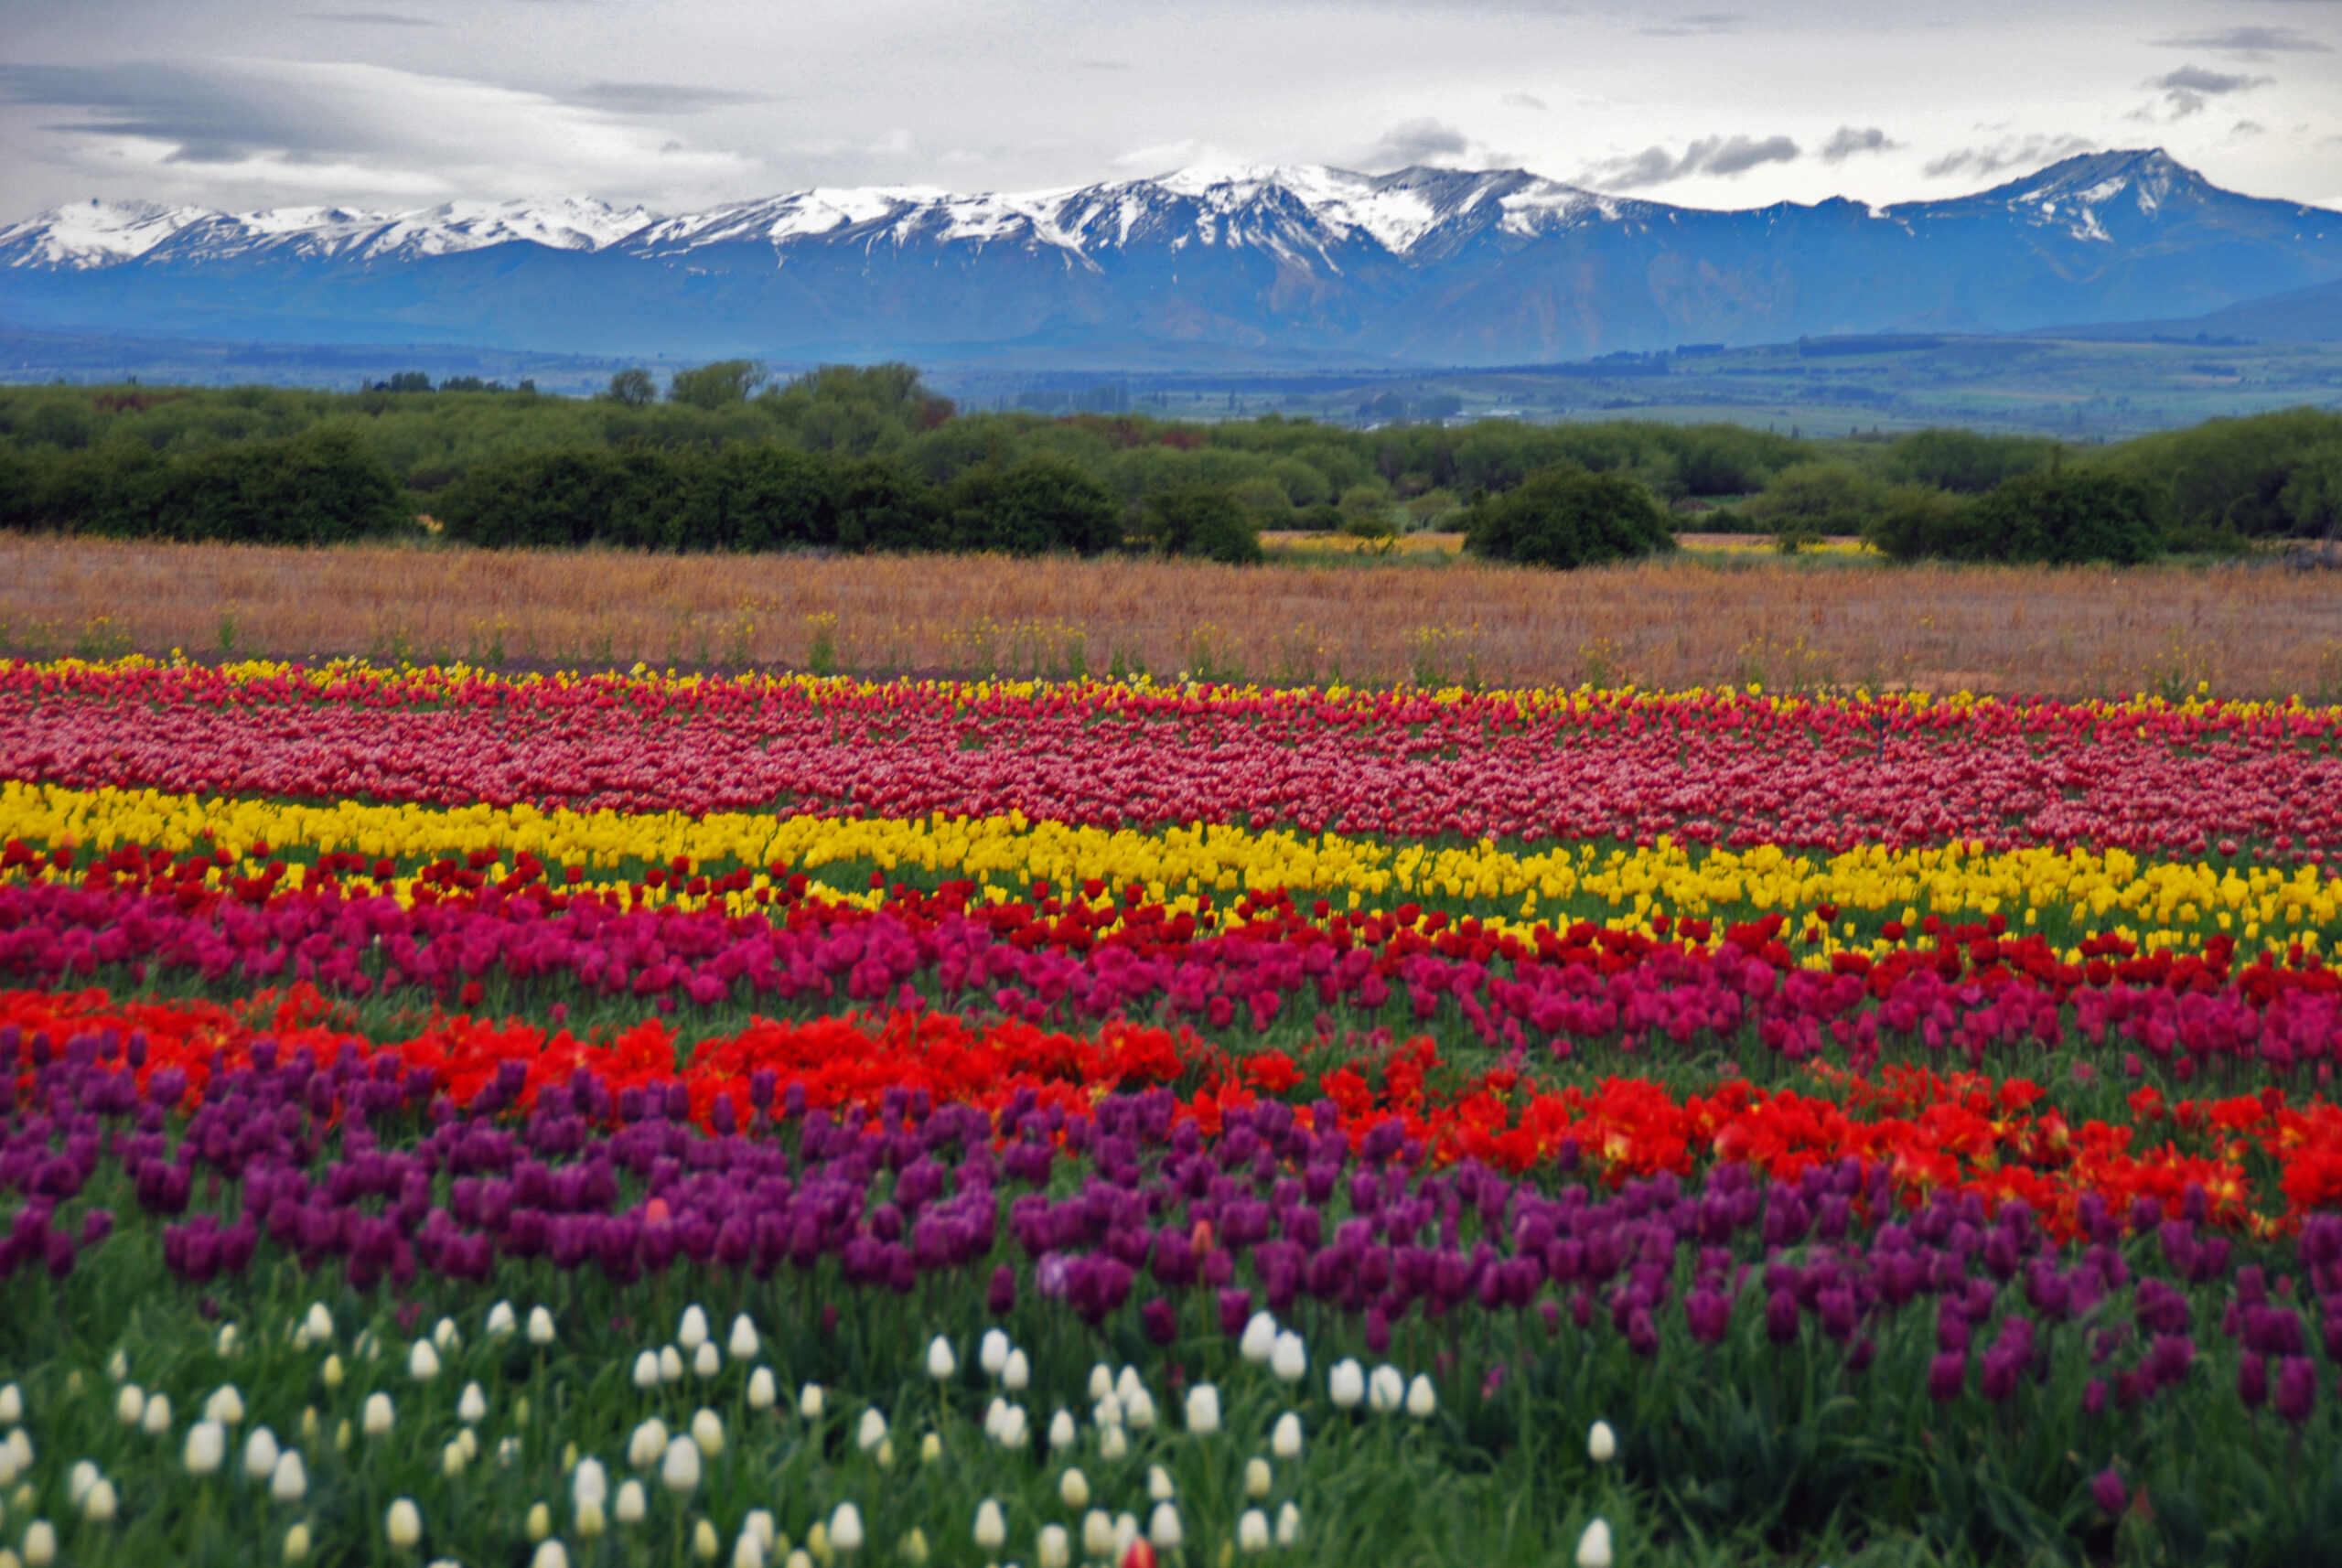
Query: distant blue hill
x=1256, y=267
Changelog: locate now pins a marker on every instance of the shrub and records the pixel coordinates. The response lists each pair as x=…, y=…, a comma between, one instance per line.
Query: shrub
x=1915, y=522
x=2067, y=515
x=1200, y=521
x=317, y=487
x=1565, y=516
x=1810, y=499
x=1029, y=508
x=1965, y=461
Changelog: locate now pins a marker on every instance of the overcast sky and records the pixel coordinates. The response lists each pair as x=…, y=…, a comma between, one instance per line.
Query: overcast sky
x=683, y=103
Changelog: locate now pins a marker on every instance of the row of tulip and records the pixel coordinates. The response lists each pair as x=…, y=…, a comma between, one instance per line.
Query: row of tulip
x=960, y=1269
x=738, y=861
x=1728, y=767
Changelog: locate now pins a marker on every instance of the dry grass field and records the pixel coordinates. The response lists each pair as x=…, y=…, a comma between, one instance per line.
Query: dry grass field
x=1696, y=619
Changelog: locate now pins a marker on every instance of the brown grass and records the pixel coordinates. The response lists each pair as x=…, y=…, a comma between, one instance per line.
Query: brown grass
x=1791, y=625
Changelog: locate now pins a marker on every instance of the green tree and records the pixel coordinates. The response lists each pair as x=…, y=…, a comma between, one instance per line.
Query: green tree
x=719, y=385
x=1815, y=499
x=1199, y=520
x=633, y=387
x=1565, y=516
x=1916, y=521
x=1029, y=508
x=2067, y=515
x=1966, y=460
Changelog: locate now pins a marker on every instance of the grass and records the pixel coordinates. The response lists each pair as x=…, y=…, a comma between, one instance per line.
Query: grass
x=1702, y=618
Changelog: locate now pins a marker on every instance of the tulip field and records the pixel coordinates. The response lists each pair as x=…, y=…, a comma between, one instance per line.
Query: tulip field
x=768, y=1120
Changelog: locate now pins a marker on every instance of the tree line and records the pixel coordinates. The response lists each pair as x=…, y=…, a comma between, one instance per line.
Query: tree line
x=870, y=458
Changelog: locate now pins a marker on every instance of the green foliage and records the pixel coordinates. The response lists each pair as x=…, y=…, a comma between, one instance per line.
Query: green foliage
x=1197, y=520
x=1565, y=517
x=1914, y=523
x=2067, y=515
x=317, y=488
x=2262, y=476
x=634, y=387
x=1966, y=461
x=1032, y=507
x=1808, y=500
x=719, y=385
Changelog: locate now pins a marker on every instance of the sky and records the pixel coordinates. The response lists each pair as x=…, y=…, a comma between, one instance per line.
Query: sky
x=683, y=104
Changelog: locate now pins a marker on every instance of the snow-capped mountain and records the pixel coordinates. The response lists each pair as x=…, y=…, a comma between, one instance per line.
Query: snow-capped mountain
x=1445, y=265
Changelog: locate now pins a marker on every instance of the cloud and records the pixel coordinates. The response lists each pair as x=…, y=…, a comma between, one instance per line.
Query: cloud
x=1712, y=156
x=1522, y=101
x=2009, y=152
x=2251, y=41
x=1700, y=25
x=2249, y=128
x=369, y=18
x=343, y=131
x=2195, y=78
x=1846, y=142
x=1423, y=141
x=657, y=97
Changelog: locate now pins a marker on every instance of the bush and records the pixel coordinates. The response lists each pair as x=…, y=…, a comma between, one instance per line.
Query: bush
x=2067, y=515
x=319, y=487
x=1811, y=500
x=1965, y=461
x=1916, y=521
x=1200, y=521
x=1032, y=507
x=1565, y=516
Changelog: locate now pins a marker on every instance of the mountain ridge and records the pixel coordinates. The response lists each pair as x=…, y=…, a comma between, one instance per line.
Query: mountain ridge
x=1419, y=265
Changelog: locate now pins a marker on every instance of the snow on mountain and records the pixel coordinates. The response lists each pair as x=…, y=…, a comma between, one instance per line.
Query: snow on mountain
x=103, y=234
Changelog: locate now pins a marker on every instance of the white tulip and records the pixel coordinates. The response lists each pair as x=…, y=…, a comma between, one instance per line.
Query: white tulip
x=692, y=1332
x=1128, y=1385
x=1050, y=1549
x=1113, y=1444
x=378, y=1417
x=1073, y=1488
x=444, y=1335
x=631, y=1504
x=679, y=1471
x=130, y=1404
x=226, y=1342
x=1138, y=1412
x=261, y=1454
x=1260, y=1339
x=118, y=1365
x=1163, y=1527
x=551, y=1553
x=1288, y=1525
x=157, y=1419
x=1593, y=1546
x=1203, y=1409
x=646, y=1371
x=289, y=1482
x=1252, y=1532
x=422, y=1361
x=20, y=1449
x=707, y=1360
x=1015, y=1431
x=468, y=1441
x=759, y=1524
x=501, y=1320
x=1601, y=1443
x=12, y=1404
x=1421, y=1398
x=995, y=1409
x=1346, y=1384
x=452, y=1460
x=225, y=1406
x=332, y=1372
x=40, y=1544
x=1125, y=1533
x=1158, y=1484
x=1285, y=1442
x=403, y=1524
x=707, y=1432
x=1098, y=1534
x=873, y=1430
x=992, y=1352
x=748, y=1552
x=80, y=1479
x=763, y=1391
x=845, y=1527
x=930, y=1449
x=1386, y=1392
x=207, y=1446
x=810, y=1401
x=1108, y=1412
x=1016, y=1372
x=1258, y=1478
x=1062, y=1430
x=941, y=1363
x=670, y=1364
x=589, y=1483
x=992, y=1530
x=1290, y=1359
x=647, y=1446
x=540, y=1325
x=744, y=1343
x=590, y=1521
x=705, y=1543
x=296, y=1542
x=1102, y=1381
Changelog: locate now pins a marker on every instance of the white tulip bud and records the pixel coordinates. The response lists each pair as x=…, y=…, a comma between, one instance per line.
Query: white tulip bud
x=1112, y=1444
x=1288, y=1525
x=12, y=1404
x=1203, y=1409
x=1073, y=1488
x=452, y=1460
x=759, y=1524
x=705, y=1543
x=1386, y=1392
x=1062, y=1430
x=590, y=1521
x=707, y=1360
x=1257, y=1477
x=1016, y=1372
x=1421, y=1398
x=1015, y=1431
x=403, y=1524
x=1593, y=1546
x=589, y=1483
x=763, y=1391
x=707, y=1432
x=941, y=1363
x=744, y=1343
x=679, y=1472
x=1285, y=1442
x=1252, y=1532
x=157, y=1421
x=332, y=1372
x=810, y=1401
x=130, y=1404
x=992, y=1352
x=1098, y=1534
x=539, y=1523
x=289, y=1482
x=670, y=1364
x=1102, y=1381
x=992, y=1530
x=631, y=1504
x=646, y=1371
x=422, y=1361
x=225, y=1406
x=748, y=1552
x=1289, y=1361
x=1158, y=1484
x=118, y=1365
x=551, y=1553
x=1126, y=1532
x=226, y=1342
x=501, y=1321
x=261, y=1454
x=40, y=1544
x=873, y=1430
x=444, y=1335
x=930, y=1449
x=378, y=1417
x=1601, y=1443
x=1163, y=1527
x=1260, y=1339
x=647, y=1446
x=1050, y=1549
x=296, y=1543
x=207, y=1446
x=692, y=1332
x=540, y=1325
x=1128, y=1384
x=1138, y=1411
x=80, y=1479
x=845, y=1527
